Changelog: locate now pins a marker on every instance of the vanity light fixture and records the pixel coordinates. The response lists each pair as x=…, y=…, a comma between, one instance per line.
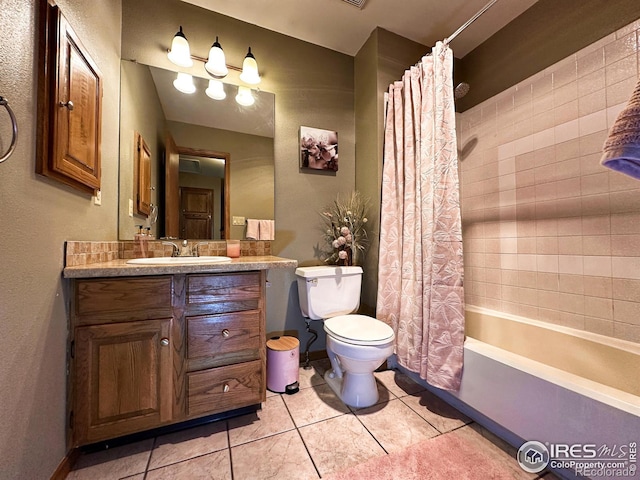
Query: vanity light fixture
x=244, y=96
x=180, y=54
x=215, y=64
x=215, y=90
x=184, y=83
x=250, y=69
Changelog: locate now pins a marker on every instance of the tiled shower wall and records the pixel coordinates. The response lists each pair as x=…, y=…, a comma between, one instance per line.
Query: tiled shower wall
x=549, y=233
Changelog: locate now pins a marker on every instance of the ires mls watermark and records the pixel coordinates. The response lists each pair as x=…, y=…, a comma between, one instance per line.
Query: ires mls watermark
x=585, y=459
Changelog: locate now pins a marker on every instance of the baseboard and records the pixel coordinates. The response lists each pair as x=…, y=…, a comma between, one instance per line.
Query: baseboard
x=65, y=466
x=315, y=355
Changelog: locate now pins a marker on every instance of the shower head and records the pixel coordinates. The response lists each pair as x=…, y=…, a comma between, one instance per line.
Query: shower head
x=461, y=90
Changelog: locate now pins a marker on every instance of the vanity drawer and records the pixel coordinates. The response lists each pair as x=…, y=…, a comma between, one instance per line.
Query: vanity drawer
x=220, y=293
x=105, y=300
x=225, y=388
x=214, y=340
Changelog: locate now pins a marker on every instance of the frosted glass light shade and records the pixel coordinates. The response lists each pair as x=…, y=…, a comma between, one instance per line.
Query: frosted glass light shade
x=184, y=83
x=216, y=65
x=250, y=70
x=215, y=90
x=180, y=54
x=244, y=96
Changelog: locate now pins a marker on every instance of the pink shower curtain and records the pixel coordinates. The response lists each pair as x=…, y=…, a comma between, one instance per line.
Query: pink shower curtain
x=420, y=269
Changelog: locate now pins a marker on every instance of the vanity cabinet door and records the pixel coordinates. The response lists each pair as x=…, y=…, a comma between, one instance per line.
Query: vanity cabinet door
x=123, y=379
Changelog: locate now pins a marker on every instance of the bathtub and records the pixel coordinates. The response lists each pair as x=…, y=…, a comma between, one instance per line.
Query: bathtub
x=529, y=380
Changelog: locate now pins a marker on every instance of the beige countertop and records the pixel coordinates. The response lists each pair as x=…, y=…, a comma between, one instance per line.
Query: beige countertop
x=120, y=268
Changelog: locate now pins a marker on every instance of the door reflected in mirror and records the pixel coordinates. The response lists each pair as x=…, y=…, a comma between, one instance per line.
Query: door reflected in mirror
x=203, y=131
x=201, y=199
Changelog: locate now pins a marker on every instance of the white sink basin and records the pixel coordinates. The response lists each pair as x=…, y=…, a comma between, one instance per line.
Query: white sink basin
x=179, y=260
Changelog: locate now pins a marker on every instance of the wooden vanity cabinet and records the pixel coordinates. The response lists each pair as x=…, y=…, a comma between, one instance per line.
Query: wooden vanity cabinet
x=225, y=354
x=156, y=350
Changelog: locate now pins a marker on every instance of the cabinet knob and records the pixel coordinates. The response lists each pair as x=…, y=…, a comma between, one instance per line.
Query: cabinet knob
x=225, y=333
x=164, y=342
x=225, y=388
x=68, y=104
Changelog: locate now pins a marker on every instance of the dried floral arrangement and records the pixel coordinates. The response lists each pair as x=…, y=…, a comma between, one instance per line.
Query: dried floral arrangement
x=344, y=229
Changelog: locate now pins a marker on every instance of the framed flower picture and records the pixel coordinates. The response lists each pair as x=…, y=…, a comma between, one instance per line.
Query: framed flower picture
x=318, y=149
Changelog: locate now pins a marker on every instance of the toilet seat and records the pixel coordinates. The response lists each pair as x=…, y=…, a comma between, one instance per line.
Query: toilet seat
x=358, y=330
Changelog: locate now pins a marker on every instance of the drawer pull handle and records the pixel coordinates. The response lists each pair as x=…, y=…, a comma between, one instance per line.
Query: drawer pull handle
x=225, y=333
x=164, y=342
x=225, y=388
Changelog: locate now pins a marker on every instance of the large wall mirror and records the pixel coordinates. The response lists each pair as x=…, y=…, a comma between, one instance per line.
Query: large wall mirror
x=212, y=162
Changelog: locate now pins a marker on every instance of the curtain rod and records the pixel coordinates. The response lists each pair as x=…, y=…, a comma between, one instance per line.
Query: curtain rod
x=469, y=22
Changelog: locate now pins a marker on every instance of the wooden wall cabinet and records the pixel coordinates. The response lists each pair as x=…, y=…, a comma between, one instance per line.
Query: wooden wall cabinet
x=157, y=350
x=69, y=104
x=142, y=176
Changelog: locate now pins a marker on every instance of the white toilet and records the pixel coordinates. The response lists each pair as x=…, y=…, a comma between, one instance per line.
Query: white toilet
x=356, y=344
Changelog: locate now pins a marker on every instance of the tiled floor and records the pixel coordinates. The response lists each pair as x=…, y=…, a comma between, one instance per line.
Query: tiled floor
x=302, y=436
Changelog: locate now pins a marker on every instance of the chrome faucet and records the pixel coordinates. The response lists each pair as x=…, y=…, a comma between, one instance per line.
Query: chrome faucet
x=184, y=251
x=175, y=250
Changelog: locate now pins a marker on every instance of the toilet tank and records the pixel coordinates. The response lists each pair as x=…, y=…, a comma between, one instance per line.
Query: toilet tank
x=328, y=291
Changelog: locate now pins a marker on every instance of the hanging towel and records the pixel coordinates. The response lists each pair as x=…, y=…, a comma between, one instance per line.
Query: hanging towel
x=621, y=151
x=253, y=229
x=267, y=230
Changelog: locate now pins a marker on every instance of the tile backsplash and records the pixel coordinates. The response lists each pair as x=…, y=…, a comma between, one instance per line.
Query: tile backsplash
x=549, y=233
x=83, y=253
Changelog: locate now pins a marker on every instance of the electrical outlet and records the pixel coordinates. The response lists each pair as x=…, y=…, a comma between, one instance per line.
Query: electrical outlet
x=131, y=207
x=238, y=221
x=97, y=200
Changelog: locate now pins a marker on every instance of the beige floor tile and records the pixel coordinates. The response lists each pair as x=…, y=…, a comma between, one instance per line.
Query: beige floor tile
x=139, y=476
x=190, y=443
x=435, y=411
x=314, y=404
x=313, y=376
x=398, y=383
x=213, y=466
x=114, y=463
x=280, y=457
x=272, y=394
x=484, y=441
x=338, y=443
x=273, y=418
x=395, y=425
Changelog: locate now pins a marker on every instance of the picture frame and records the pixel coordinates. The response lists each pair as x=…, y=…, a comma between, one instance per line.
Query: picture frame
x=318, y=149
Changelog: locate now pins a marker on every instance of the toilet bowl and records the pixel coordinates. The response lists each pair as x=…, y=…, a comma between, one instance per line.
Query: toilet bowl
x=356, y=344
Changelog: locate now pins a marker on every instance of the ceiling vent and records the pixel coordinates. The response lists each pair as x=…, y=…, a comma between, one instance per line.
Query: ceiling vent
x=356, y=3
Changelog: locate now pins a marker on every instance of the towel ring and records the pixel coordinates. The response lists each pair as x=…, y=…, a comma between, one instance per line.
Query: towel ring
x=14, y=139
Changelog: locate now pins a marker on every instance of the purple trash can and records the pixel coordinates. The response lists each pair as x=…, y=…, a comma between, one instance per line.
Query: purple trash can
x=283, y=361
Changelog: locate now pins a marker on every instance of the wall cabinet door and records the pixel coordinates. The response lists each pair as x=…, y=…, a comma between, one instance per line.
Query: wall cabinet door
x=69, y=105
x=142, y=174
x=123, y=379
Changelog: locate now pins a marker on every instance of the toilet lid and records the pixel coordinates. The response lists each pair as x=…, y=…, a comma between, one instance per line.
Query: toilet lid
x=358, y=330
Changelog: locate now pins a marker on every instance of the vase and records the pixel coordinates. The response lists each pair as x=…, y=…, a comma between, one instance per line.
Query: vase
x=346, y=262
